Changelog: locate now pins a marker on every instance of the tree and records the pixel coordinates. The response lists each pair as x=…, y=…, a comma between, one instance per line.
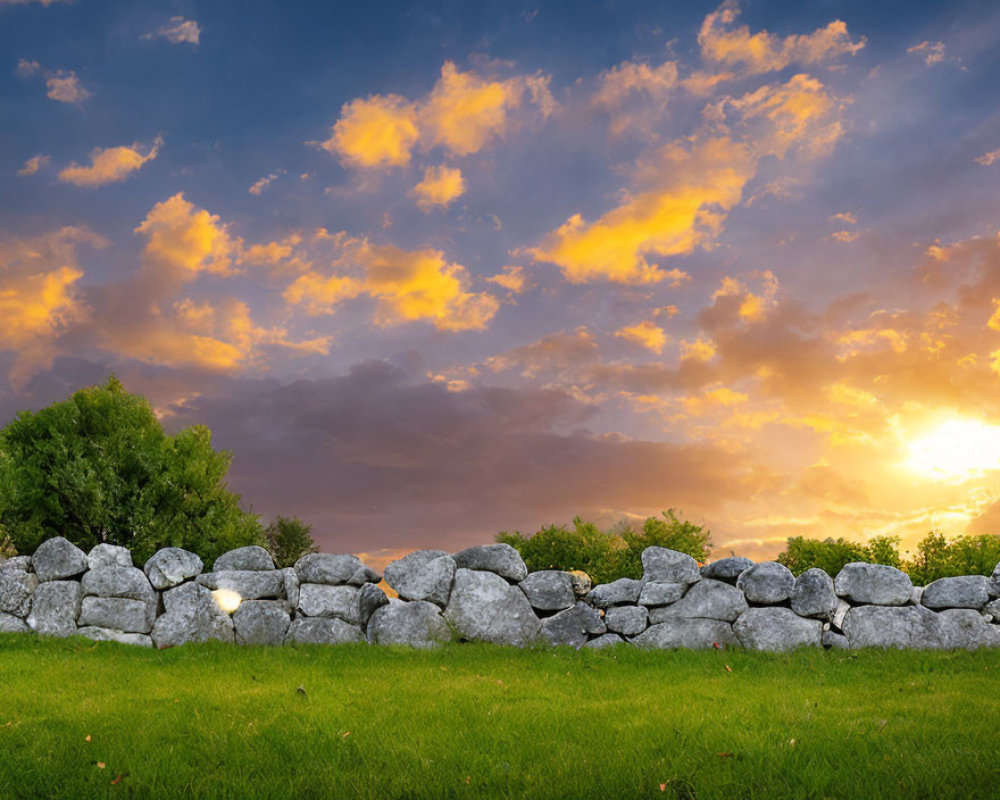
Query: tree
x=99, y=468
x=831, y=554
x=937, y=557
x=288, y=539
x=669, y=532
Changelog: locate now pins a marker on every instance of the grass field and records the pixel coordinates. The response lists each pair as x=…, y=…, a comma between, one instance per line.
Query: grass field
x=92, y=720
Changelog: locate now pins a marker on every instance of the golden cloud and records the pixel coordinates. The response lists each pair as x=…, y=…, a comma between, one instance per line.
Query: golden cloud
x=186, y=240
x=33, y=164
x=646, y=334
x=109, y=165
x=376, y=132
x=511, y=278
x=440, y=186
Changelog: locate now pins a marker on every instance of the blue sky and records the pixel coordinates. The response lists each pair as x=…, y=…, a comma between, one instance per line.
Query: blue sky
x=488, y=266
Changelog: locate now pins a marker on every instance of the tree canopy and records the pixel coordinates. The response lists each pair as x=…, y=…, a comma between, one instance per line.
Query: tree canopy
x=288, y=539
x=98, y=467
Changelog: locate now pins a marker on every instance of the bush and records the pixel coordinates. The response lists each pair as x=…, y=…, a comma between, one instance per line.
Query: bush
x=606, y=556
x=99, y=468
x=288, y=539
x=831, y=554
x=937, y=557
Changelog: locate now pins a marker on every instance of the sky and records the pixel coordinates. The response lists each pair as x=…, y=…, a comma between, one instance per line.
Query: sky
x=431, y=271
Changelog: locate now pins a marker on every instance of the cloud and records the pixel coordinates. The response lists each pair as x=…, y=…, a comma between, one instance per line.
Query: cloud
x=618, y=84
x=986, y=159
x=753, y=54
x=691, y=186
x=261, y=184
x=931, y=52
x=462, y=114
x=511, y=278
x=184, y=240
x=39, y=296
x=846, y=217
x=63, y=85
x=34, y=164
x=553, y=353
x=646, y=334
x=110, y=165
x=846, y=237
x=379, y=131
x=440, y=186
x=408, y=285
x=178, y=31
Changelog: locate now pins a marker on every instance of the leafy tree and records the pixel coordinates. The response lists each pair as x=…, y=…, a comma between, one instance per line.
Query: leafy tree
x=288, y=539
x=831, y=554
x=669, y=532
x=99, y=468
x=937, y=557
x=606, y=555
x=555, y=547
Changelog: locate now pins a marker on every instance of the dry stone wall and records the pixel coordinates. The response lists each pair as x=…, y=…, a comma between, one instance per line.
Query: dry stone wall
x=485, y=594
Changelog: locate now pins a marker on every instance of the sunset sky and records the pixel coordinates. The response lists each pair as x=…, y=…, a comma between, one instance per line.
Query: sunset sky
x=436, y=270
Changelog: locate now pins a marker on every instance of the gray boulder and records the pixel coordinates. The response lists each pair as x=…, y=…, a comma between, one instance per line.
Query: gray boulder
x=108, y=555
x=993, y=609
x=917, y=597
x=122, y=614
x=500, y=559
x=839, y=613
x=21, y=563
x=777, y=630
x=422, y=575
x=835, y=641
x=484, y=607
x=334, y=569
x=111, y=635
x=261, y=622
x=964, y=591
x=582, y=583
x=965, y=629
x=191, y=600
x=58, y=558
x=323, y=600
x=171, y=566
x=248, y=584
x=55, y=606
x=662, y=565
x=572, y=626
x=417, y=624
x=118, y=581
x=995, y=582
x=250, y=558
x=892, y=626
x=627, y=620
x=11, y=624
x=620, y=592
x=322, y=630
x=292, y=584
x=708, y=599
x=690, y=634
x=813, y=595
x=726, y=569
x=549, y=590
x=605, y=640
x=370, y=599
x=661, y=594
x=173, y=629
x=876, y=584
x=16, y=588
x=766, y=583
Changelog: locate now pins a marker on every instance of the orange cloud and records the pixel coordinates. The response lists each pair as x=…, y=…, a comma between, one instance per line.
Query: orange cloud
x=617, y=84
x=761, y=52
x=109, y=165
x=377, y=132
x=33, y=164
x=646, y=334
x=440, y=186
x=186, y=240
x=692, y=185
x=511, y=278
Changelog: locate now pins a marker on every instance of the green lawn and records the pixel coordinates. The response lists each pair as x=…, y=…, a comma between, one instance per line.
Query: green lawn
x=468, y=721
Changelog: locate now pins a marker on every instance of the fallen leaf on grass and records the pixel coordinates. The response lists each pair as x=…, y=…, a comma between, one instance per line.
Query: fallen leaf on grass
x=663, y=787
x=468, y=779
x=101, y=765
x=345, y=734
x=724, y=755
x=791, y=743
x=728, y=668
x=88, y=738
x=118, y=779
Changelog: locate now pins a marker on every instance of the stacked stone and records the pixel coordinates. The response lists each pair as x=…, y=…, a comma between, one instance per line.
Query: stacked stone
x=485, y=594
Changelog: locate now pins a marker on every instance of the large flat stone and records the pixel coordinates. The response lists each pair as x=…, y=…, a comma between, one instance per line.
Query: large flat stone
x=892, y=626
x=248, y=584
x=263, y=622
x=416, y=623
x=111, y=635
x=964, y=591
x=118, y=581
x=689, y=634
x=875, y=584
x=109, y=555
x=572, y=626
x=58, y=558
x=422, y=575
x=484, y=607
x=661, y=594
x=242, y=559
x=500, y=559
x=55, y=606
x=624, y=591
x=777, y=630
x=549, y=590
x=726, y=569
x=627, y=620
x=323, y=600
x=766, y=583
x=334, y=569
x=813, y=595
x=323, y=630
x=662, y=565
x=121, y=614
x=172, y=566
x=708, y=599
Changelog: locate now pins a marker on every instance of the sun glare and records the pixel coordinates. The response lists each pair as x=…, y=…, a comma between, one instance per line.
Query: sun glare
x=227, y=600
x=956, y=450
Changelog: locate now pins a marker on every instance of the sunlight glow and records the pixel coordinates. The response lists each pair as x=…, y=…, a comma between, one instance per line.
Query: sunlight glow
x=227, y=600
x=956, y=450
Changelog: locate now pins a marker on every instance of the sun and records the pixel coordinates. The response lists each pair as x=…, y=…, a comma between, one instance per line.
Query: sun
x=956, y=450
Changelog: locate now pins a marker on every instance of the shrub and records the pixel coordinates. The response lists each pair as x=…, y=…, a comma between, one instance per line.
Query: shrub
x=288, y=539
x=831, y=554
x=937, y=557
x=99, y=468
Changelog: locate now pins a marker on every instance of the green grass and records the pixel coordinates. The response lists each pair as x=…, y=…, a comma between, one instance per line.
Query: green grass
x=468, y=721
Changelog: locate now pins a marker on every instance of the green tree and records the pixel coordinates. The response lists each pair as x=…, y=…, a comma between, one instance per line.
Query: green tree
x=288, y=539
x=669, y=532
x=939, y=557
x=555, y=547
x=99, y=468
x=828, y=554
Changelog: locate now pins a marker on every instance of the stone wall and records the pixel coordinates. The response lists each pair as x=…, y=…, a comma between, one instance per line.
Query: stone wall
x=485, y=594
